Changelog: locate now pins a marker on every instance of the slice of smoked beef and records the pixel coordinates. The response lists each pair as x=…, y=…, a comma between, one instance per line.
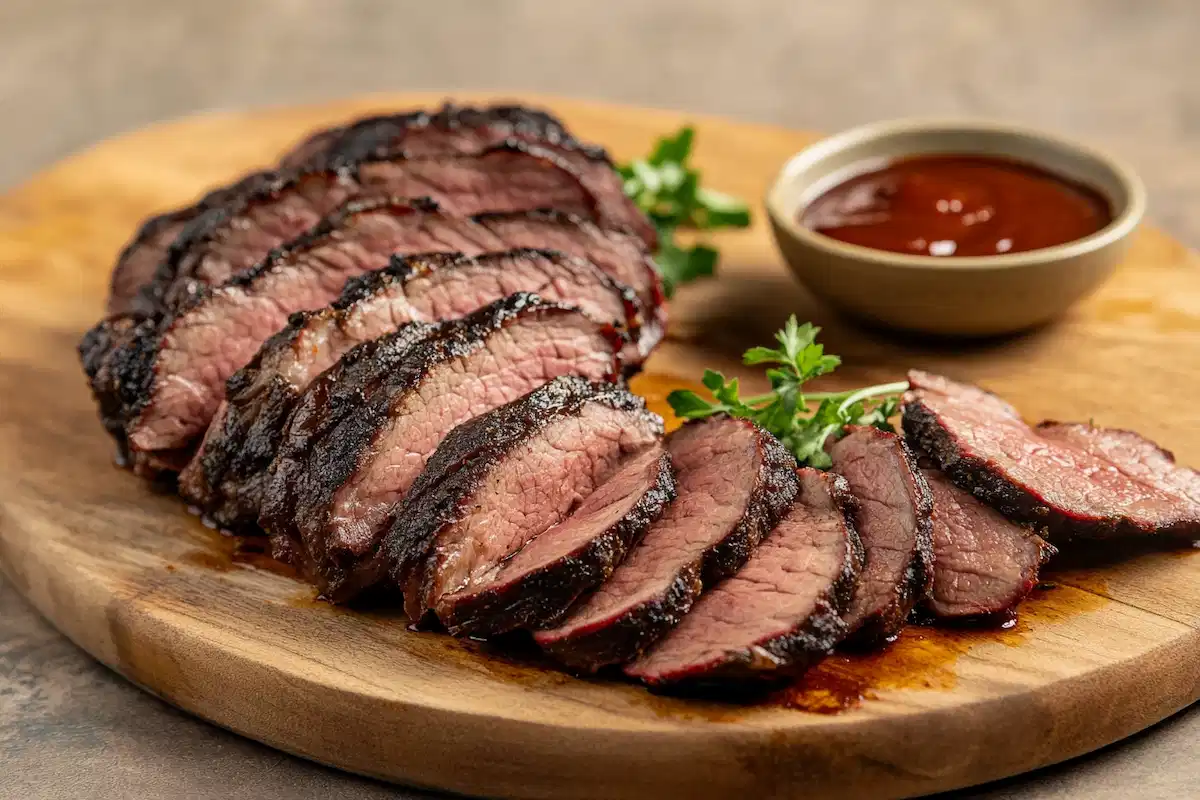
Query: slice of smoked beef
x=781, y=612
x=1062, y=490
x=893, y=522
x=537, y=584
x=335, y=499
x=735, y=481
x=231, y=238
x=498, y=482
x=225, y=483
x=983, y=565
x=1133, y=454
x=450, y=129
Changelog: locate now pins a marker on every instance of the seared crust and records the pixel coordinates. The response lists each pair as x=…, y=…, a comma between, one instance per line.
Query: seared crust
x=385, y=133
x=229, y=476
x=977, y=476
x=625, y=637
x=794, y=652
x=880, y=627
x=336, y=396
x=463, y=461
x=775, y=490
x=335, y=424
x=127, y=380
x=543, y=596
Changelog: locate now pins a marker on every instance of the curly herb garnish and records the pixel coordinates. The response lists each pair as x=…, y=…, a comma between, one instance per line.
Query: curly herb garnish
x=669, y=192
x=784, y=411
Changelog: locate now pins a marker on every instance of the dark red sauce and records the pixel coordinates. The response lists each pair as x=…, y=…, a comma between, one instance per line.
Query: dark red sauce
x=957, y=205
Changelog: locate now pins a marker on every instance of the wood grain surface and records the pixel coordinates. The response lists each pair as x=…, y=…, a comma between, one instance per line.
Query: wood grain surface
x=143, y=587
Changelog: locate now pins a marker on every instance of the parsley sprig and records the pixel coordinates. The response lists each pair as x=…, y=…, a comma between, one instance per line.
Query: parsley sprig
x=668, y=190
x=785, y=410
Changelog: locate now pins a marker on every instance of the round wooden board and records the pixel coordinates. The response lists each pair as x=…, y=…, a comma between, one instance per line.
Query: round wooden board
x=140, y=585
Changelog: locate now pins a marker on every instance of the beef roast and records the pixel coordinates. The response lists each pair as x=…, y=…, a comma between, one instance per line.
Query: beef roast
x=451, y=129
x=983, y=564
x=1133, y=454
x=242, y=437
x=1064, y=491
x=735, y=481
x=231, y=238
x=337, y=495
x=538, y=583
x=893, y=521
x=498, y=482
x=781, y=612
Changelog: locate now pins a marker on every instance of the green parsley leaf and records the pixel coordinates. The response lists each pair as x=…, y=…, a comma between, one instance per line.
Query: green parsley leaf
x=678, y=265
x=784, y=411
x=668, y=190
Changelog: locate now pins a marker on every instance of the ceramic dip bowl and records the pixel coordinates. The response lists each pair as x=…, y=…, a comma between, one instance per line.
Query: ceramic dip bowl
x=951, y=295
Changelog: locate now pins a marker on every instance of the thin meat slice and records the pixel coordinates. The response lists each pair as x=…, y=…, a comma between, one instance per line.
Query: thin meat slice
x=426, y=288
x=1133, y=454
x=450, y=129
x=417, y=134
x=735, y=482
x=893, y=521
x=500, y=481
x=781, y=612
x=139, y=259
x=334, y=500
x=537, y=584
x=983, y=564
x=232, y=238
x=982, y=444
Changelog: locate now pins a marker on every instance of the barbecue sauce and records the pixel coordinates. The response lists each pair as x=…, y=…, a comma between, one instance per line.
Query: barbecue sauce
x=957, y=205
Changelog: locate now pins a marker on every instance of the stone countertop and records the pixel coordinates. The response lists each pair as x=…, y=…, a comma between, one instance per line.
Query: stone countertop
x=1121, y=74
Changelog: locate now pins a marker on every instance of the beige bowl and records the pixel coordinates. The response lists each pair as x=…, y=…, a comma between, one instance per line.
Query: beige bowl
x=961, y=296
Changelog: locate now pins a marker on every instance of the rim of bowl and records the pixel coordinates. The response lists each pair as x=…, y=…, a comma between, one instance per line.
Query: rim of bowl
x=1121, y=225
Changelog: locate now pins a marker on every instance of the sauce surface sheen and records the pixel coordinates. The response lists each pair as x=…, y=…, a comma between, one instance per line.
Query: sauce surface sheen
x=957, y=205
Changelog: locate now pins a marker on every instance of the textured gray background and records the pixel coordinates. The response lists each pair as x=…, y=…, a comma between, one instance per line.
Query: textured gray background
x=1124, y=75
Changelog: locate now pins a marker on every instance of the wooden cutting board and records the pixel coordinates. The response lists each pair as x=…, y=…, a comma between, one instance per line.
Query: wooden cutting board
x=143, y=587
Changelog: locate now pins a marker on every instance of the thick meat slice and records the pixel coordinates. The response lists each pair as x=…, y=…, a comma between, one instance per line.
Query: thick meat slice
x=983, y=564
x=422, y=288
x=1131, y=453
x=893, y=521
x=451, y=129
x=339, y=493
x=498, y=482
x=781, y=612
x=735, y=482
x=538, y=583
x=233, y=237
x=982, y=444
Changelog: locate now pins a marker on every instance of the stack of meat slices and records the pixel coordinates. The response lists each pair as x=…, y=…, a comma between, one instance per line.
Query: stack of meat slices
x=401, y=356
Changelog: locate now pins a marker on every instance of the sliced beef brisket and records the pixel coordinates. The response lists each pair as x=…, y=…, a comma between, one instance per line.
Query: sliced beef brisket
x=450, y=129
x=139, y=259
x=231, y=238
x=535, y=585
x=983, y=564
x=243, y=436
x=781, y=612
x=735, y=481
x=498, y=482
x=334, y=499
x=1131, y=453
x=893, y=522
x=982, y=444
